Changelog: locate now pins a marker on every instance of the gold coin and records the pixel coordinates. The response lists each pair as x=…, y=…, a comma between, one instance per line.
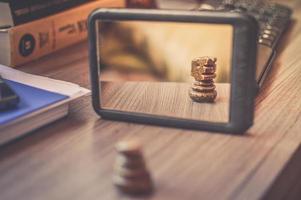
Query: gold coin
x=131, y=173
x=206, y=60
x=129, y=147
x=133, y=186
x=130, y=161
x=203, y=97
x=201, y=88
x=205, y=77
x=202, y=70
x=204, y=83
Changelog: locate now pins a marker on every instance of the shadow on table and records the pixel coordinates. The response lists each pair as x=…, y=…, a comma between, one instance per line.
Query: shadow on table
x=288, y=183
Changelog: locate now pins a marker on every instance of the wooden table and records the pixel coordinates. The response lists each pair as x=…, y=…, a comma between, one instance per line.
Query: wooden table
x=170, y=99
x=72, y=158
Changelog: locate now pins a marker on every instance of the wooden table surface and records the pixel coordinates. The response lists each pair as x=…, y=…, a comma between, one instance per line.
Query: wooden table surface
x=73, y=157
x=173, y=98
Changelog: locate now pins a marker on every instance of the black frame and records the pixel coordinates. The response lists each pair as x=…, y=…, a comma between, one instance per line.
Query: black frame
x=243, y=82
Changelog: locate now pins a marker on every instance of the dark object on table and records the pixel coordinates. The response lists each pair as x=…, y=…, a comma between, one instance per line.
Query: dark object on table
x=141, y=4
x=8, y=98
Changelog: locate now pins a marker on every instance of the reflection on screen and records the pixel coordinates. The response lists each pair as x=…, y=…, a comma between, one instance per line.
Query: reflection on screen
x=166, y=68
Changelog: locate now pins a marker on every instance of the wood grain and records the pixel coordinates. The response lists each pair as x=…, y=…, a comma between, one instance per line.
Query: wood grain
x=73, y=158
x=170, y=99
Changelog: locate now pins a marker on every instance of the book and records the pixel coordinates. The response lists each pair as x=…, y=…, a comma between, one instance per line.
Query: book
x=30, y=41
x=38, y=106
x=16, y=12
x=31, y=99
x=25, y=125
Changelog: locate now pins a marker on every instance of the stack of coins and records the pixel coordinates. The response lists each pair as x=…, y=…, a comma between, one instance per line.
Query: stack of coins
x=130, y=173
x=203, y=89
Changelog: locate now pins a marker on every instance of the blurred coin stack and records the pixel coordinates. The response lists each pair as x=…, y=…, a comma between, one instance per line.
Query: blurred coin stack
x=203, y=89
x=130, y=173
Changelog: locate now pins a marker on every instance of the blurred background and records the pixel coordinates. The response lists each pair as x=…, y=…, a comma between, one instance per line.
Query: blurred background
x=162, y=51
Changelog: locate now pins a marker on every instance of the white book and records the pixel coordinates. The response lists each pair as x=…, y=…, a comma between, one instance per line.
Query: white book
x=34, y=120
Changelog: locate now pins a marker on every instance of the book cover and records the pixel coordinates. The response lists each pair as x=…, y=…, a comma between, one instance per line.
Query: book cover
x=25, y=11
x=43, y=101
x=31, y=100
x=24, y=43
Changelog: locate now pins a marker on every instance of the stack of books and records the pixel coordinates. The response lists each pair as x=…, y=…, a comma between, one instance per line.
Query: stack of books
x=41, y=101
x=30, y=29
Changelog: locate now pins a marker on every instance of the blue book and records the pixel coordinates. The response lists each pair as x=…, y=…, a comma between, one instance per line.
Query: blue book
x=31, y=100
